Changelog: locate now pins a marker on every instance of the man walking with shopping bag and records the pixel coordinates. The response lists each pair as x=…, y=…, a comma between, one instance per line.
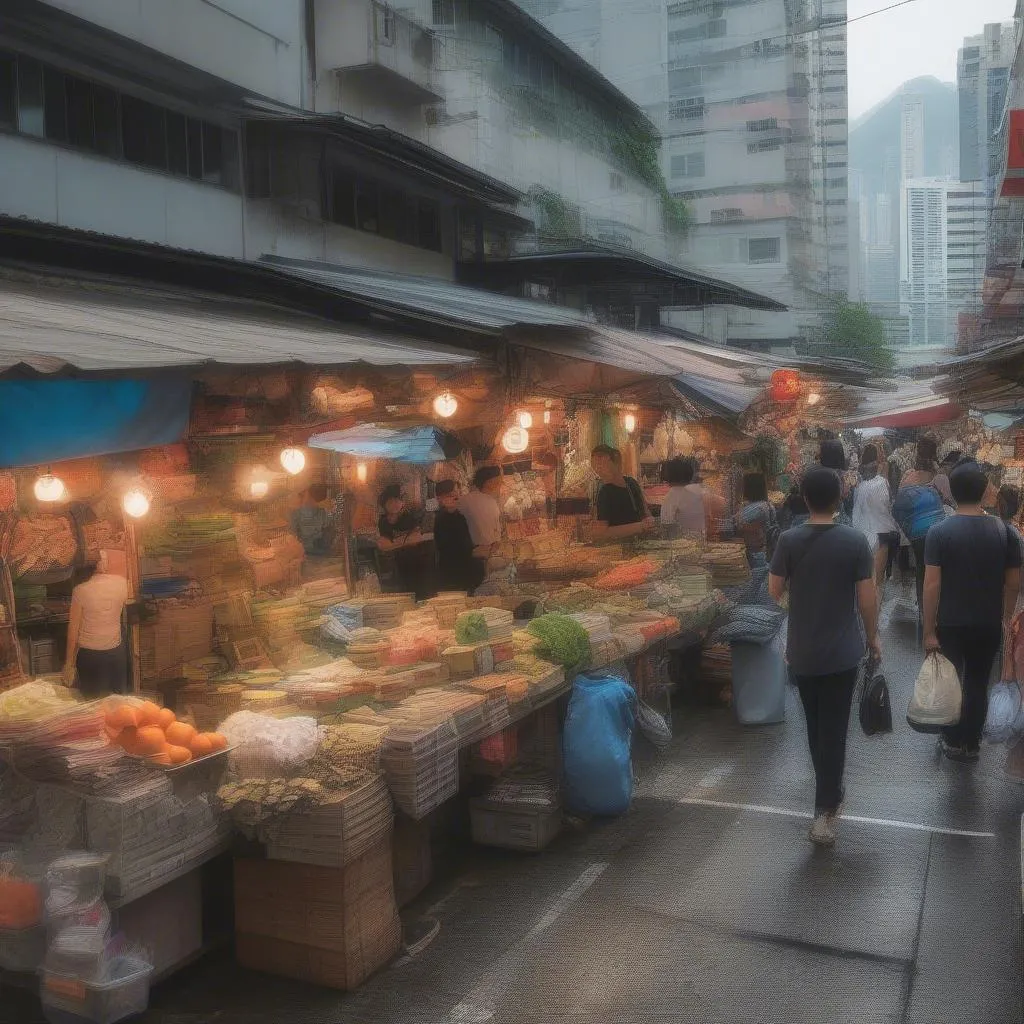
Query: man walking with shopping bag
x=971, y=584
x=830, y=574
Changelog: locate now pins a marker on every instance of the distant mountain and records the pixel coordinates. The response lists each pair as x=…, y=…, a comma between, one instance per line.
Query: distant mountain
x=876, y=136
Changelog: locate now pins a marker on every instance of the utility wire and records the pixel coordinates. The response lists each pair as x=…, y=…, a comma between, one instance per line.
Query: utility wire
x=881, y=10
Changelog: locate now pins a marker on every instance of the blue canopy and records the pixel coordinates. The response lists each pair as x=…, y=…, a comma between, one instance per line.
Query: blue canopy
x=417, y=445
x=43, y=421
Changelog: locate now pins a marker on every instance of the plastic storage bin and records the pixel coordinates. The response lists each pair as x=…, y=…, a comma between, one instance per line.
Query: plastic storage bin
x=513, y=827
x=759, y=678
x=69, y=1000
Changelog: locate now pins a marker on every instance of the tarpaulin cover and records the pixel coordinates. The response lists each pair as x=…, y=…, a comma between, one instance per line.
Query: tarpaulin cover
x=417, y=445
x=44, y=421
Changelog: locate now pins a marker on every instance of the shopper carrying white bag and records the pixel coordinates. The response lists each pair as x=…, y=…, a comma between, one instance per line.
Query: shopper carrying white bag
x=938, y=696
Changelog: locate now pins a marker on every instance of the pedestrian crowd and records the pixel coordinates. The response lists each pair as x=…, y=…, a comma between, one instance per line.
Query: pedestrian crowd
x=833, y=564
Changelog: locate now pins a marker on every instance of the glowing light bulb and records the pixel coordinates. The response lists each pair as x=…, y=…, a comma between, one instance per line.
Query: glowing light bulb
x=524, y=419
x=135, y=503
x=547, y=415
x=515, y=440
x=259, y=489
x=446, y=404
x=361, y=472
x=629, y=422
x=50, y=488
x=293, y=460
x=813, y=398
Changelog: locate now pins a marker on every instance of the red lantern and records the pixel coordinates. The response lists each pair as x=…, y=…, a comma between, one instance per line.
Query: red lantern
x=785, y=386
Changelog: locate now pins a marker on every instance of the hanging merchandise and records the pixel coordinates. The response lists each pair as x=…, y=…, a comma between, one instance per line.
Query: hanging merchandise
x=1004, y=705
x=596, y=745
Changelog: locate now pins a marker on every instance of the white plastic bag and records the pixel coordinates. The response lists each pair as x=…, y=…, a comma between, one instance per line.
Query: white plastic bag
x=1003, y=708
x=938, y=696
x=653, y=726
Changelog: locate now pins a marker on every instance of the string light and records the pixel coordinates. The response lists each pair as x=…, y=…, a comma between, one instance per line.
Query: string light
x=293, y=460
x=446, y=405
x=515, y=440
x=524, y=419
x=629, y=422
x=135, y=502
x=50, y=488
x=361, y=472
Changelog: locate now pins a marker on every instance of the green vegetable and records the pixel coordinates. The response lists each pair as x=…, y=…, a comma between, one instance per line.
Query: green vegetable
x=471, y=628
x=562, y=640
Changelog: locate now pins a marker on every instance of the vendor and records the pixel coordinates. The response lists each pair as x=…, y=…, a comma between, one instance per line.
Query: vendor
x=311, y=521
x=684, y=511
x=459, y=565
x=400, y=535
x=96, y=651
x=621, y=509
x=483, y=514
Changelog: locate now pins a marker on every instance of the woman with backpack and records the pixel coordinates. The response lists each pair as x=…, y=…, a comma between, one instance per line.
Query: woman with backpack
x=921, y=503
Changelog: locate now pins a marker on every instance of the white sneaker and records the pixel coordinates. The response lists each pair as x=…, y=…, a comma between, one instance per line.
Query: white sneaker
x=823, y=832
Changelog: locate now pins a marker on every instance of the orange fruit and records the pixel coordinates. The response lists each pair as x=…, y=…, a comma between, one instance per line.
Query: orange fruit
x=179, y=755
x=201, y=745
x=151, y=739
x=149, y=713
x=162, y=758
x=122, y=716
x=218, y=739
x=129, y=740
x=181, y=734
x=165, y=718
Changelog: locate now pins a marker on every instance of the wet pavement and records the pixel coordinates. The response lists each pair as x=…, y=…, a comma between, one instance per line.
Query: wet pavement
x=707, y=903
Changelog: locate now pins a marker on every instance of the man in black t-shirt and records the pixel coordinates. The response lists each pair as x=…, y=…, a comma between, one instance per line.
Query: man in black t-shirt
x=971, y=585
x=457, y=569
x=621, y=509
x=829, y=571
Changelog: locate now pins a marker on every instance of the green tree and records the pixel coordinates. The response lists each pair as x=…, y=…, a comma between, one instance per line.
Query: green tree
x=852, y=331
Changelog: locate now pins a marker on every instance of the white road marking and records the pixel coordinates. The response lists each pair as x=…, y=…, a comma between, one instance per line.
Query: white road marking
x=785, y=812
x=480, y=1004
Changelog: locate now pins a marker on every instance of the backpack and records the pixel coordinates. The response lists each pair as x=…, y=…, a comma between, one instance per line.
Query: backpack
x=917, y=509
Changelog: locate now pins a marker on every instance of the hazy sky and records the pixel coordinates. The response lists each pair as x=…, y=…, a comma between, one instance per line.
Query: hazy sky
x=921, y=38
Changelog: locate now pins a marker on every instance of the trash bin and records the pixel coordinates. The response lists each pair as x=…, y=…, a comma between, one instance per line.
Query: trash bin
x=759, y=676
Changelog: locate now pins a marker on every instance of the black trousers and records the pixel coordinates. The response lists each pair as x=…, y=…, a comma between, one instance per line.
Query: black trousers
x=918, y=546
x=972, y=650
x=827, y=701
x=102, y=672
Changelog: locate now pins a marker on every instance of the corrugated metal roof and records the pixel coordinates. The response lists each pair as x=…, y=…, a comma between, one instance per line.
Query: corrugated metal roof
x=51, y=322
x=431, y=298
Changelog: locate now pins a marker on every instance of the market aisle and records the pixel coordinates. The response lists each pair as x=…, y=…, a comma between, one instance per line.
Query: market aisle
x=706, y=903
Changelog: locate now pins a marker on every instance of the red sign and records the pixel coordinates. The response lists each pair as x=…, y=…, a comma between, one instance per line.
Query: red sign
x=1015, y=144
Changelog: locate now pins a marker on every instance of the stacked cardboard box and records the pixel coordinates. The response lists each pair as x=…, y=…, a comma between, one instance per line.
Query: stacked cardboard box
x=326, y=926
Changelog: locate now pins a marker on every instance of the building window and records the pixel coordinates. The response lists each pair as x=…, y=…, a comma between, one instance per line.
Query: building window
x=443, y=12
x=367, y=205
x=384, y=24
x=764, y=146
x=65, y=108
x=691, y=109
x=688, y=165
x=764, y=250
x=766, y=124
x=728, y=215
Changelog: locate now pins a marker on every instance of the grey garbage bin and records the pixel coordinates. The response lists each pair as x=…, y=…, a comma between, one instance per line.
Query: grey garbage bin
x=759, y=676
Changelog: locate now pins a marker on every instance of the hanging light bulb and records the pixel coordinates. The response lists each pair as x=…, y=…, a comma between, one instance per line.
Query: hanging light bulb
x=629, y=422
x=259, y=483
x=524, y=419
x=293, y=460
x=813, y=398
x=547, y=415
x=446, y=405
x=515, y=440
x=361, y=472
x=49, y=488
x=135, y=502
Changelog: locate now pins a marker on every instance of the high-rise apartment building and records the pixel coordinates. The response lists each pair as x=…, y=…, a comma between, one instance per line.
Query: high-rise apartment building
x=942, y=257
x=751, y=99
x=911, y=138
x=982, y=76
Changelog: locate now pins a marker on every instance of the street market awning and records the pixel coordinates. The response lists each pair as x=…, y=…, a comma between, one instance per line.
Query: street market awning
x=419, y=446
x=912, y=404
x=51, y=323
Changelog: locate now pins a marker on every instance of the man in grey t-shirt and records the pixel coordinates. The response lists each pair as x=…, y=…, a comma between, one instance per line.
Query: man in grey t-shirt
x=832, y=606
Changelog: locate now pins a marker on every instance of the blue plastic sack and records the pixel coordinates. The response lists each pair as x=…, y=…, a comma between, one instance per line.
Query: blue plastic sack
x=596, y=746
x=1004, y=706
